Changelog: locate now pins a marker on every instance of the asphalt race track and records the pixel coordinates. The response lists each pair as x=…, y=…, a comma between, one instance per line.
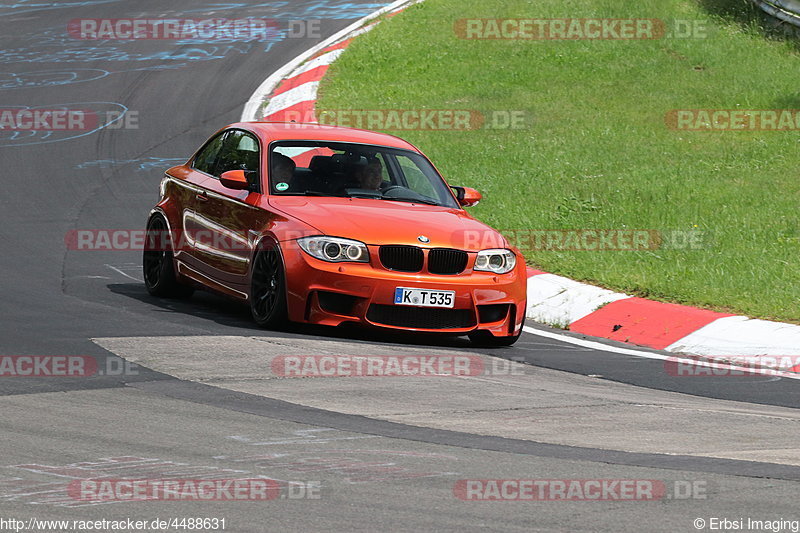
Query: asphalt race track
x=200, y=399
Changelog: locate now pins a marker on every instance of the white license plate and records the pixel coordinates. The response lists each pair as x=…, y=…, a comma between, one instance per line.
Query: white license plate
x=424, y=297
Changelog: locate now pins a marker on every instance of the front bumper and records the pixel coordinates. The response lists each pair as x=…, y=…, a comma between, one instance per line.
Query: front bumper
x=325, y=293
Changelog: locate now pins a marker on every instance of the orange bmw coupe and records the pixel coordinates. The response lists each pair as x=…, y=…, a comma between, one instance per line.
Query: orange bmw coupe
x=328, y=225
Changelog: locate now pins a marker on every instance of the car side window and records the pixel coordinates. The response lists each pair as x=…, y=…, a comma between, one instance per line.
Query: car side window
x=240, y=152
x=206, y=160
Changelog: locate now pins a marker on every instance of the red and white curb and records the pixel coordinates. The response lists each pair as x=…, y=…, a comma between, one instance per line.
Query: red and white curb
x=598, y=312
x=291, y=92
x=293, y=87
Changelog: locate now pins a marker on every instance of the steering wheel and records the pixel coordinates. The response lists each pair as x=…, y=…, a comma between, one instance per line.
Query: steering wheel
x=391, y=188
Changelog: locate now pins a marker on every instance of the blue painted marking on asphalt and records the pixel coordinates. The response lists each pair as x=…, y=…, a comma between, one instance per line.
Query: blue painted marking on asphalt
x=31, y=137
x=54, y=45
x=50, y=48
x=142, y=163
x=48, y=78
x=26, y=6
x=288, y=10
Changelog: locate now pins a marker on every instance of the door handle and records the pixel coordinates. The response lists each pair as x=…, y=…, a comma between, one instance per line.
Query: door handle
x=202, y=196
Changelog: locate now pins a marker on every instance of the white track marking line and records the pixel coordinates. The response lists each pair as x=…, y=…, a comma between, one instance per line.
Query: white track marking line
x=118, y=271
x=648, y=355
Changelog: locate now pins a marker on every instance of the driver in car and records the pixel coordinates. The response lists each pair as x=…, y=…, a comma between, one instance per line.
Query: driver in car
x=370, y=176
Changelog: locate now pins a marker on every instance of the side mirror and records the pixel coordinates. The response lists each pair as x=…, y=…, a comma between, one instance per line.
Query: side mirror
x=235, y=179
x=467, y=196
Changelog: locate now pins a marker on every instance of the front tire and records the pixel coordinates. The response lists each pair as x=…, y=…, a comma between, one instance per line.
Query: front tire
x=158, y=264
x=268, y=289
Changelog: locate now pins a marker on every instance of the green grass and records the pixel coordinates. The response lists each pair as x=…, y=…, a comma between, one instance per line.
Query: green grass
x=598, y=153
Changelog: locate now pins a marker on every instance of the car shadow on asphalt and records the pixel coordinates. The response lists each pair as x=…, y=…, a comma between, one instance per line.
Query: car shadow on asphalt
x=225, y=312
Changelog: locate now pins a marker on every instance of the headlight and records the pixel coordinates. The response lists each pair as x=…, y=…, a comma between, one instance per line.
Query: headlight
x=335, y=249
x=497, y=261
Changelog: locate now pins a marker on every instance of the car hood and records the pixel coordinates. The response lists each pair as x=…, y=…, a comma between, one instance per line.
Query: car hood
x=388, y=222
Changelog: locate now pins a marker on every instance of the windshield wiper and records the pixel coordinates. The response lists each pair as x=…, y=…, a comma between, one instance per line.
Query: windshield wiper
x=413, y=200
x=320, y=193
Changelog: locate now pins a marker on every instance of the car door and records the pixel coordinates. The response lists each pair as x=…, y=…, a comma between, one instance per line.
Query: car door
x=226, y=217
x=188, y=186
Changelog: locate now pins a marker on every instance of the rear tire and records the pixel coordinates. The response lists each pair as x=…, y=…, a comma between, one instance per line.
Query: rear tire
x=268, y=289
x=486, y=340
x=158, y=264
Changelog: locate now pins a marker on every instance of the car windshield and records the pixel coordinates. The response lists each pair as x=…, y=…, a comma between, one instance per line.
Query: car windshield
x=323, y=168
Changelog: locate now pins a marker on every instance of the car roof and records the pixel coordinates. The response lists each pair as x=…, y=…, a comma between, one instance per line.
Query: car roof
x=291, y=131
